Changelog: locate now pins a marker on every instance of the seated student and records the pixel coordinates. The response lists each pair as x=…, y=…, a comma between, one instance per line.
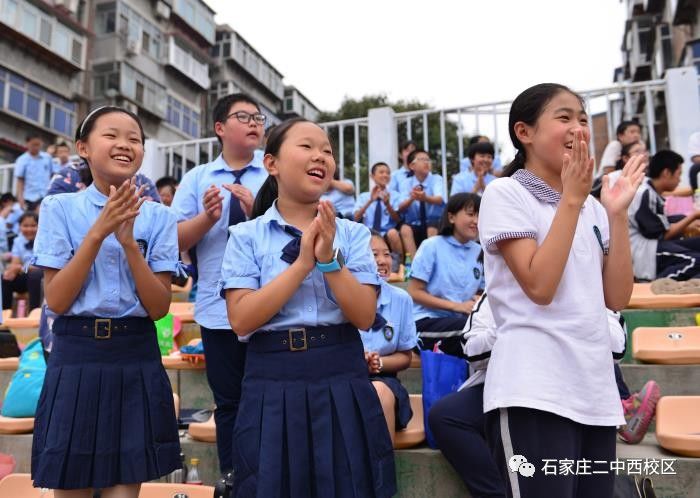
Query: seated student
x=421, y=202
x=377, y=209
x=627, y=152
x=694, y=154
x=474, y=181
x=466, y=163
x=446, y=275
x=658, y=249
x=404, y=171
x=388, y=343
x=627, y=132
x=457, y=420
x=15, y=279
x=10, y=212
x=340, y=193
x=166, y=187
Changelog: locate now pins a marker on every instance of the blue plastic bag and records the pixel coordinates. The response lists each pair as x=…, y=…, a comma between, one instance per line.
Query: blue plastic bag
x=442, y=375
x=22, y=395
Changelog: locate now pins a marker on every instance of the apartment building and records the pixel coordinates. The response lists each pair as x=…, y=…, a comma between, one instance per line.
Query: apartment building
x=43, y=56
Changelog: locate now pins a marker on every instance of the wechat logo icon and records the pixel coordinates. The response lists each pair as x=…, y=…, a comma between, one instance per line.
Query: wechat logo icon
x=519, y=463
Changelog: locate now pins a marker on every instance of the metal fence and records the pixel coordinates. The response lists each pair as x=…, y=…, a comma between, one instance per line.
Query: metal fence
x=618, y=102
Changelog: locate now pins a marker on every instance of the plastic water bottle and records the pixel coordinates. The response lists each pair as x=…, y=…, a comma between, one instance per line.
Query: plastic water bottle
x=193, y=472
x=696, y=199
x=407, y=267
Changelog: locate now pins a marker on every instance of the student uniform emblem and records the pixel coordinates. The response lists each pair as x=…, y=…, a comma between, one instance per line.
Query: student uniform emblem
x=477, y=273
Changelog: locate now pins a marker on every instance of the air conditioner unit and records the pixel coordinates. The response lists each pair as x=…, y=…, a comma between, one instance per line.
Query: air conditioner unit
x=133, y=47
x=162, y=10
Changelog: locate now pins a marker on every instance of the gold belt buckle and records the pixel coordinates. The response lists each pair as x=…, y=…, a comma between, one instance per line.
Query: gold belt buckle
x=107, y=322
x=302, y=338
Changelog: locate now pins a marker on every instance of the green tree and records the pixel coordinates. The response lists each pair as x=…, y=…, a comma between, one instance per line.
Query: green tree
x=357, y=108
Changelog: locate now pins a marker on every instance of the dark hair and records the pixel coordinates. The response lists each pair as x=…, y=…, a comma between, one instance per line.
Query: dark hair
x=62, y=144
x=7, y=197
x=224, y=104
x=475, y=139
x=268, y=190
x=664, y=159
x=527, y=107
x=622, y=127
x=480, y=148
x=166, y=181
x=378, y=165
x=407, y=143
x=32, y=136
x=412, y=156
x=455, y=204
x=88, y=124
x=625, y=151
x=29, y=214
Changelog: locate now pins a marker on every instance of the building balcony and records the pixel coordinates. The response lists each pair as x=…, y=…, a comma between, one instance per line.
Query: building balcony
x=185, y=63
x=44, y=33
x=197, y=16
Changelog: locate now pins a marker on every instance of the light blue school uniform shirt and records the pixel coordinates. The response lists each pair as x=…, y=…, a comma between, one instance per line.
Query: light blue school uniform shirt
x=451, y=271
x=397, y=178
x=466, y=164
x=109, y=290
x=210, y=309
x=12, y=219
x=252, y=260
x=20, y=250
x=432, y=185
x=343, y=203
x=36, y=172
x=465, y=181
x=368, y=218
x=396, y=306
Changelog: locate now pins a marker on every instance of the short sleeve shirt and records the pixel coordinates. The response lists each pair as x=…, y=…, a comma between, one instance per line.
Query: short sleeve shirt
x=368, y=218
x=399, y=333
x=109, y=290
x=210, y=309
x=36, y=172
x=450, y=269
x=432, y=185
x=554, y=358
x=252, y=259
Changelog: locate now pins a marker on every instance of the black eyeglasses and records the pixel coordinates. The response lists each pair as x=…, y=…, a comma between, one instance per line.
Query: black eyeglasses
x=245, y=117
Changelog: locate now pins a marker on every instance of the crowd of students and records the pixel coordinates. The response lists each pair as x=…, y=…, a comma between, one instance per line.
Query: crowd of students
x=287, y=275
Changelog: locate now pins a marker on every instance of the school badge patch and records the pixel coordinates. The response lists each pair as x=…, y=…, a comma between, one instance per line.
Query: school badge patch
x=477, y=273
x=143, y=246
x=388, y=332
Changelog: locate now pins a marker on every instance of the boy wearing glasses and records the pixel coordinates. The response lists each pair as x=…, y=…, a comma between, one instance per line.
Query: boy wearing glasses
x=211, y=198
x=421, y=201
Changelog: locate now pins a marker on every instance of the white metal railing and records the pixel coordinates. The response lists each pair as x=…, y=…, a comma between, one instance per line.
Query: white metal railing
x=617, y=102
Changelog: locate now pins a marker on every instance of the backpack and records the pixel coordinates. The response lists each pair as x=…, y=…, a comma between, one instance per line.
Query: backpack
x=22, y=395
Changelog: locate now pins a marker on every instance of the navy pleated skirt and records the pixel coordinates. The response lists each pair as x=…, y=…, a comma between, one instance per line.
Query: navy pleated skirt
x=310, y=425
x=106, y=414
x=401, y=397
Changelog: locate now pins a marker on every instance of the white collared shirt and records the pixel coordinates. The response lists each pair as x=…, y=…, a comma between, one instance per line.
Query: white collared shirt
x=554, y=358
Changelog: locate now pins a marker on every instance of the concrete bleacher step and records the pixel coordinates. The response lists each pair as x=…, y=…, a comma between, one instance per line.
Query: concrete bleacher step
x=423, y=472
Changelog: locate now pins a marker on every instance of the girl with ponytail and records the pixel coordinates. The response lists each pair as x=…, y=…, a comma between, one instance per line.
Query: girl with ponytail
x=554, y=259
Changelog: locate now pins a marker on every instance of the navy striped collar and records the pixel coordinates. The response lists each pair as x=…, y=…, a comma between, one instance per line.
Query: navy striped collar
x=536, y=186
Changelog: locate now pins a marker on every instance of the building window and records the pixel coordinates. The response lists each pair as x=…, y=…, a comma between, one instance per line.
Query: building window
x=289, y=105
x=37, y=104
x=183, y=117
x=198, y=17
x=138, y=30
x=143, y=90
